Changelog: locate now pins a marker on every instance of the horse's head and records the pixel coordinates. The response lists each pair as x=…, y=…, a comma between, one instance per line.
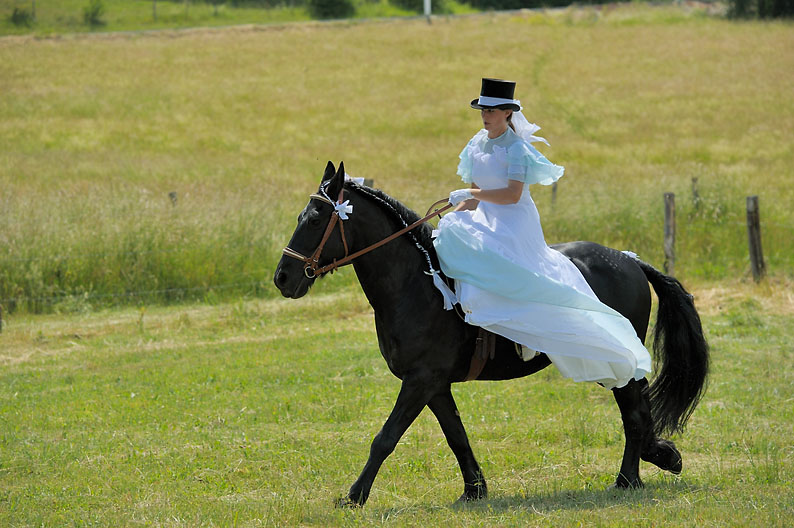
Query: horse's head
x=317, y=241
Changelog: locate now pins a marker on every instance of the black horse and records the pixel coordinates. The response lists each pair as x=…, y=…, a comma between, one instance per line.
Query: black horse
x=430, y=348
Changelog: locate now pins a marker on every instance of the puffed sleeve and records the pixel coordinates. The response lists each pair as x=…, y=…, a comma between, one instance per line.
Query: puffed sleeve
x=464, y=167
x=525, y=163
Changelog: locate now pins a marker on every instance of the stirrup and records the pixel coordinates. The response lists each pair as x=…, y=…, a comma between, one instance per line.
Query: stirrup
x=525, y=352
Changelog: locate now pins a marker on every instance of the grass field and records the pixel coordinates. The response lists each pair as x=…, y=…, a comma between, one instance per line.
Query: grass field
x=66, y=16
x=243, y=411
x=251, y=414
x=97, y=130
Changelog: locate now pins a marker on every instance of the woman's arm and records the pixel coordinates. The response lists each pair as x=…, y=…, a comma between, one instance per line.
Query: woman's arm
x=507, y=195
x=468, y=205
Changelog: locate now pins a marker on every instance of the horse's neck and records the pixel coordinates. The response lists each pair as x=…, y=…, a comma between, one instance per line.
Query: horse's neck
x=391, y=277
x=393, y=273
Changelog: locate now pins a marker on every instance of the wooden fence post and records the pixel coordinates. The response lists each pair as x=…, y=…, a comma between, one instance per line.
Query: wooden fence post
x=553, y=194
x=669, y=233
x=754, y=238
x=695, y=194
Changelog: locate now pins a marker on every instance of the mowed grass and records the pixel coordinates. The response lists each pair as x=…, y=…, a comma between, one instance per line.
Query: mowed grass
x=256, y=414
x=260, y=411
x=96, y=131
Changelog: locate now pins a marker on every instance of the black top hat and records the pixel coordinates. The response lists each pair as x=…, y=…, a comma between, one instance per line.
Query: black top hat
x=496, y=93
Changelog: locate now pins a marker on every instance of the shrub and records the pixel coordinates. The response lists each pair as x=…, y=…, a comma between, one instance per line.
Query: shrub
x=21, y=17
x=92, y=13
x=326, y=9
x=215, y=4
x=761, y=8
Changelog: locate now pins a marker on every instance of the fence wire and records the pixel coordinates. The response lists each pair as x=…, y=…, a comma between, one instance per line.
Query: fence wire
x=87, y=296
x=95, y=255
x=141, y=293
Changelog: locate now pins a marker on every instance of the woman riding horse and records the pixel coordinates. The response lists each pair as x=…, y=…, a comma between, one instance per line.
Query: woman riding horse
x=508, y=280
x=429, y=348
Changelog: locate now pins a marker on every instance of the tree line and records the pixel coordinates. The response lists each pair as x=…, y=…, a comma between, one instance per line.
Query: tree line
x=344, y=8
x=764, y=9
x=330, y=9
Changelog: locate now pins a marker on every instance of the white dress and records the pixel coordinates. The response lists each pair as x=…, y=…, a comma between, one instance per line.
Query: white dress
x=510, y=282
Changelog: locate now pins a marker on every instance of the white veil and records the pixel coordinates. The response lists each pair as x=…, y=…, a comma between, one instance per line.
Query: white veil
x=524, y=128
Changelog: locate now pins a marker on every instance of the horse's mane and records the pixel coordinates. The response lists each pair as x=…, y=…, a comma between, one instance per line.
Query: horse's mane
x=422, y=235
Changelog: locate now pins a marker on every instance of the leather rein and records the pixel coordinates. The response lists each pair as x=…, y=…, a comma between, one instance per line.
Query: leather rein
x=484, y=347
x=312, y=268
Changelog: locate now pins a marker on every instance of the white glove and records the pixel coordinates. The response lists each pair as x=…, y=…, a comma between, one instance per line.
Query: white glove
x=460, y=195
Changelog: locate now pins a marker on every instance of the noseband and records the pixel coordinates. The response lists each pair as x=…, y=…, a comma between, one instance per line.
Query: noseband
x=311, y=269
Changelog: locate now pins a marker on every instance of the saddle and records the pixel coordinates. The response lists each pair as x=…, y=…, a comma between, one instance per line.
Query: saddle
x=485, y=344
x=485, y=349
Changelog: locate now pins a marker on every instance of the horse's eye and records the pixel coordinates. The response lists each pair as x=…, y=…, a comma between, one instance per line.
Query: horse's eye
x=314, y=221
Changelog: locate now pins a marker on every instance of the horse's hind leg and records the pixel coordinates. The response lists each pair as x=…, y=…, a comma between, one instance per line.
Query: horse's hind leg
x=638, y=426
x=443, y=406
x=641, y=441
x=663, y=454
x=658, y=451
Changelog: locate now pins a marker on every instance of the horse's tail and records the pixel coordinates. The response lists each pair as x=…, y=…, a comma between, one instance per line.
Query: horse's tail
x=681, y=354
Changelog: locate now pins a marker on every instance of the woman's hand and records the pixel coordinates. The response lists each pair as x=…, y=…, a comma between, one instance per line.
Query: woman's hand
x=460, y=195
x=469, y=198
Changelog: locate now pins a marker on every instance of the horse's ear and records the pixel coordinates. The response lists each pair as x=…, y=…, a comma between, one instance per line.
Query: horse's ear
x=330, y=170
x=337, y=182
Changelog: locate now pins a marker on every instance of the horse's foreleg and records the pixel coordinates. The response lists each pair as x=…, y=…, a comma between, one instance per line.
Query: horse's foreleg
x=637, y=424
x=443, y=406
x=414, y=395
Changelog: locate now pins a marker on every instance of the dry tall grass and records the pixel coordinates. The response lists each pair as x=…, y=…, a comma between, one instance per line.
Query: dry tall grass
x=636, y=101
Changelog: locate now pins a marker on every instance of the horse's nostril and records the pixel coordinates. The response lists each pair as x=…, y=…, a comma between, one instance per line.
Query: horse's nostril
x=281, y=278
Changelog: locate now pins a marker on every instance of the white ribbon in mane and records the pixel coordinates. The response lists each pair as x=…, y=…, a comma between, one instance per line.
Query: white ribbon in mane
x=343, y=209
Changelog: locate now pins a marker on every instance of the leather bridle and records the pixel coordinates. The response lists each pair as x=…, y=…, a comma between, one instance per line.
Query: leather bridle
x=311, y=269
x=312, y=263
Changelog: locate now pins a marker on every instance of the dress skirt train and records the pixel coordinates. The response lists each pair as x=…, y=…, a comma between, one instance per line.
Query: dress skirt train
x=511, y=283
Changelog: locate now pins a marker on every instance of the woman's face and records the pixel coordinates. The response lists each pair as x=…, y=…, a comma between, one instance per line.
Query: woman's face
x=494, y=120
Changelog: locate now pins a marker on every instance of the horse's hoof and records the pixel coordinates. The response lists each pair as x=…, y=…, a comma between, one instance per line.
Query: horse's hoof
x=347, y=503
x=623, y=483
x=467, y=498
x=474, y=493
x=664, y=455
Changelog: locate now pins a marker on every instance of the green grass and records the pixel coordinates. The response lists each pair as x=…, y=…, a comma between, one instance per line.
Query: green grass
x=248, y=412
x=253, y=414
x=66, y=16
x=97, y=130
